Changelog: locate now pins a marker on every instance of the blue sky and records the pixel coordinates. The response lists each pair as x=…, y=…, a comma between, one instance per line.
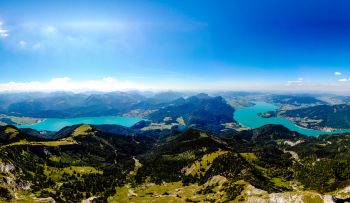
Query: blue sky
x=233, y=45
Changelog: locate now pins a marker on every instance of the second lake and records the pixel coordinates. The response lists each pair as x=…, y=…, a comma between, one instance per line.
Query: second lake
x=249, y=117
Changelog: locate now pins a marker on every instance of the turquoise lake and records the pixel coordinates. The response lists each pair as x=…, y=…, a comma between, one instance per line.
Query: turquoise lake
x=55, y=124
x=248, y=117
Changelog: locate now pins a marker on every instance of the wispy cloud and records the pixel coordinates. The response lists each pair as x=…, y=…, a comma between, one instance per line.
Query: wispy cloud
x=343, y=80
x=337, y=73
x=63, y=37
x=3, y=31
x=125, y=35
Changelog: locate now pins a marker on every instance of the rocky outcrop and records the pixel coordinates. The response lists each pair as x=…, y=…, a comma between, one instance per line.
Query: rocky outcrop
x=7, y=168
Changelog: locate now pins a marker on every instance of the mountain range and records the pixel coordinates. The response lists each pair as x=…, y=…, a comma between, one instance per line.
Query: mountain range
x=95, y=163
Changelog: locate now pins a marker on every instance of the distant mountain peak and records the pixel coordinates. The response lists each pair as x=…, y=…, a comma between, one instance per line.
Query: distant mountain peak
x=203, y=96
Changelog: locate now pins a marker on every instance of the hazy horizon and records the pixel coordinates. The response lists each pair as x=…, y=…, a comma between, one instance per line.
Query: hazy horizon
x=190, y=92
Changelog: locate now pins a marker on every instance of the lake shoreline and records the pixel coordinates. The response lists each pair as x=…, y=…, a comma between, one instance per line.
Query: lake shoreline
x=249, y=117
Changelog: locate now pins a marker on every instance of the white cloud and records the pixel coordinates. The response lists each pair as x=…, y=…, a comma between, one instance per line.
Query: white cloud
x=337, y=73
x=3, y=31
x=343, y=80
x=67, y=84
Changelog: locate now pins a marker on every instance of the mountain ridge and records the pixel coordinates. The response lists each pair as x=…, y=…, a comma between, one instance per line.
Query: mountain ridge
x=270, y=159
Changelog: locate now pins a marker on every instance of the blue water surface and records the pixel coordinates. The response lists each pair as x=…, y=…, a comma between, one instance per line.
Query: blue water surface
x=55, y=124
x=248, y=117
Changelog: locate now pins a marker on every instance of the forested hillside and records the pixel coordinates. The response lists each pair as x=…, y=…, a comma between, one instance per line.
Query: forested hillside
x=334, y=116
x=201, y=111
x=85, y=162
